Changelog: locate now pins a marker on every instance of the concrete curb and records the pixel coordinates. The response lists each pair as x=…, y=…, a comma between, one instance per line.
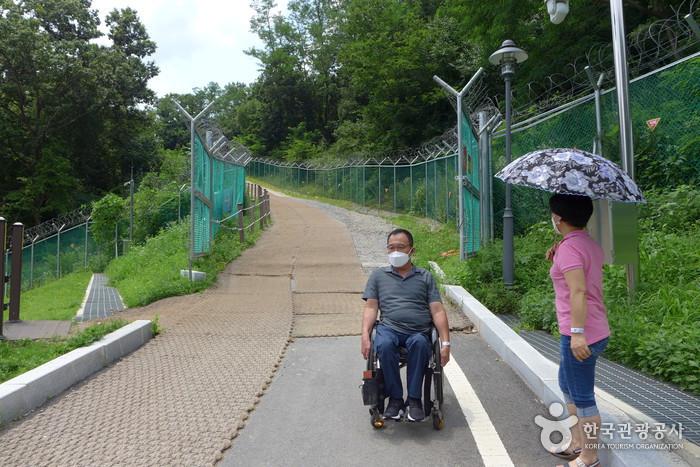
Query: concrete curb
x=81, y=310
x=541, y=375
x=32, y=389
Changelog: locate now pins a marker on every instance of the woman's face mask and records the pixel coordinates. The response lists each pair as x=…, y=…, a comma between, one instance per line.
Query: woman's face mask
x=555, y=223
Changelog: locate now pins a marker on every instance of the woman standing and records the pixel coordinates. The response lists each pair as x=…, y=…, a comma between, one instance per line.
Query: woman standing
x=577, y=275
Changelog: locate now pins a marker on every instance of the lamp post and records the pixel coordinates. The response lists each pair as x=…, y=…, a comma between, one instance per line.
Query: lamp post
x=507, y=57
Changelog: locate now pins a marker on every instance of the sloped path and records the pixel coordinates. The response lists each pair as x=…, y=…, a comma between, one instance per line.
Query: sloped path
x=182, y=398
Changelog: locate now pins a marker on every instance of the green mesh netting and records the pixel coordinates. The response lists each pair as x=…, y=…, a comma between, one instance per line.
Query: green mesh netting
x=219, y=188
x=665, y=156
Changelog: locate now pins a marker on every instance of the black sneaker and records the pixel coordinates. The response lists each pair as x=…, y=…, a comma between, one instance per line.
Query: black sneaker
x=394, y=409
x=415, y=410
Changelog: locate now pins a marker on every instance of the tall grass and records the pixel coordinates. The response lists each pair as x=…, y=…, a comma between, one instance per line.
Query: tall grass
x=151, y=271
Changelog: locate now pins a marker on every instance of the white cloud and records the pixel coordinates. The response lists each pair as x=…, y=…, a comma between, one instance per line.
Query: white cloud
x=198, y=41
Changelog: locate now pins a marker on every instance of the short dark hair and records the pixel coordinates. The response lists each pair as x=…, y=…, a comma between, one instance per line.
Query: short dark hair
x=401, y=231
x=575, y=210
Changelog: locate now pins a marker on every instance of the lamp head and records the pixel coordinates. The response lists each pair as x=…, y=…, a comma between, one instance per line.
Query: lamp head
x=508, y=53
x=557, y=9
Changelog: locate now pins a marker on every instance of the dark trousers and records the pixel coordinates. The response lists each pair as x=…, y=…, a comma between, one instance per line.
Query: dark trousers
x=386, y=343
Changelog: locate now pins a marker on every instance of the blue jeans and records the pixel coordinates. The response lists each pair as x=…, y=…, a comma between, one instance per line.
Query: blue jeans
x=577, y=378
x=386, y=344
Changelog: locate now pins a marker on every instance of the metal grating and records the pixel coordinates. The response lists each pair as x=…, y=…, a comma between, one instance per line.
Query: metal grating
x=102, y=301
x=659, y=400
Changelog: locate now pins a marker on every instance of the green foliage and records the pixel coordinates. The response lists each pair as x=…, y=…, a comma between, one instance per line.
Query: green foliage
x=70, y=109
x=57, y=300
x=106, y=214
x=156, y=327
x=151, y=271
x=672, y=210
x=17, y=357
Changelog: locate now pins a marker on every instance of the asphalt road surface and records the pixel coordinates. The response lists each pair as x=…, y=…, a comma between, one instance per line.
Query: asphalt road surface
x=312, y=415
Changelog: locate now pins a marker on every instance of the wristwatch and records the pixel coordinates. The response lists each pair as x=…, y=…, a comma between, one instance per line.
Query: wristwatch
x=576, y=330
x=445, y=344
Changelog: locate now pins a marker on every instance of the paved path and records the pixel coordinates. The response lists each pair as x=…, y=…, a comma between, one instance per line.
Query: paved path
x=35, y=329
x=182, y=398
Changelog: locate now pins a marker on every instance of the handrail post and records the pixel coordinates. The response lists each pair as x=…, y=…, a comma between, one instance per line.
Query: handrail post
x=261, y=200
x=16, y=275
x=3, y=245
x=241, y=233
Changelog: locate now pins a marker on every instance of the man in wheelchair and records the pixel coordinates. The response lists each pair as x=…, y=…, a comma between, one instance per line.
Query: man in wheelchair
x=410, y=306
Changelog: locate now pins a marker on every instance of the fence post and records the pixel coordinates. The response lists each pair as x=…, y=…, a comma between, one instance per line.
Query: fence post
x=394, y=187
x=380, y=188
x=241, y=233
x=87, y=223
x=58, y=252
x=16, y=275
x=410, y=168
x=31, y=264
x=262, y=207
x=3, y=244
x=116, y=240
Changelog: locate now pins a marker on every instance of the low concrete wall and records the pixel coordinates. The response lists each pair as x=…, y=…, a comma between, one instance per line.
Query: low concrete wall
x=32, y=389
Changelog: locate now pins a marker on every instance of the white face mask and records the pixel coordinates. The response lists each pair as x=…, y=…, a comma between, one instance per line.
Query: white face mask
x=556, y=228
x=398, y=259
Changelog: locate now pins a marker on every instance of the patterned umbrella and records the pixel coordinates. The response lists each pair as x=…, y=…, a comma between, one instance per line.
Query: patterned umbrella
x=572, y=171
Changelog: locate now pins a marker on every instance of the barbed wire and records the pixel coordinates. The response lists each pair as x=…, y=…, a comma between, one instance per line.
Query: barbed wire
x=662, y=42
x=220, y=147
x=52, y=226
x=440, y=146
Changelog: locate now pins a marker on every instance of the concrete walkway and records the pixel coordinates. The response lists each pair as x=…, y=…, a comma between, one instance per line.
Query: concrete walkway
x=182, y=398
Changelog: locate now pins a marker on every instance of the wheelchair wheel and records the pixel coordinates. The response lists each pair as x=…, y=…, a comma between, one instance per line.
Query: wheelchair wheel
x=437, y=391
x=438, y=421
x=427, y=390
x=438, y=375
x=377, y=419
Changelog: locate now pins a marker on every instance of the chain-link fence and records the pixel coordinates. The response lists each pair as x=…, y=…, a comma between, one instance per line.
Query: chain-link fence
x=420, y=181
x=67, y=244
x=72, y=248
x=665, y=109
x=219, y=185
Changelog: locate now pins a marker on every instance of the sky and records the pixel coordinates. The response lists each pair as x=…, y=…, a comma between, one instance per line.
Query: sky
x=198, y=41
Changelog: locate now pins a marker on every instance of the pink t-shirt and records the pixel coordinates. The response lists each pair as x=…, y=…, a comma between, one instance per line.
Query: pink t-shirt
x=579, y=251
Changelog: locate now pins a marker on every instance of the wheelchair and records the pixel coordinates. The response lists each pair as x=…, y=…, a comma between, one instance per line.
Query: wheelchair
x=373, y=384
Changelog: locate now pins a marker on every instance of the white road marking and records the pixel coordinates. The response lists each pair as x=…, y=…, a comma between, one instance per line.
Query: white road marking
x=489, y=444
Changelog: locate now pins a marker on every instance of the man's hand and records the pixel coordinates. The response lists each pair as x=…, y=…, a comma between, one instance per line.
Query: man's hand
x=364, y=346
x=579, y=347
x=444, y=355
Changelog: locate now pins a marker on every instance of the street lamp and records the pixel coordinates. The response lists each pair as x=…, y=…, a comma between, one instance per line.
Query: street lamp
x=507, y=57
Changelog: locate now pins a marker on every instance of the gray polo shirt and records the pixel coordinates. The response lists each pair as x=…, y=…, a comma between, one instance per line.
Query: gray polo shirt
x=404, y=301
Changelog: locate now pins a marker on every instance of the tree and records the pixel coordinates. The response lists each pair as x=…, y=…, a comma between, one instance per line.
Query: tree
x=69, y=108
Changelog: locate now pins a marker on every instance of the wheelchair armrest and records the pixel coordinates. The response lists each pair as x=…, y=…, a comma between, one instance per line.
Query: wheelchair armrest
x=373, y=332
x=434, y=336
